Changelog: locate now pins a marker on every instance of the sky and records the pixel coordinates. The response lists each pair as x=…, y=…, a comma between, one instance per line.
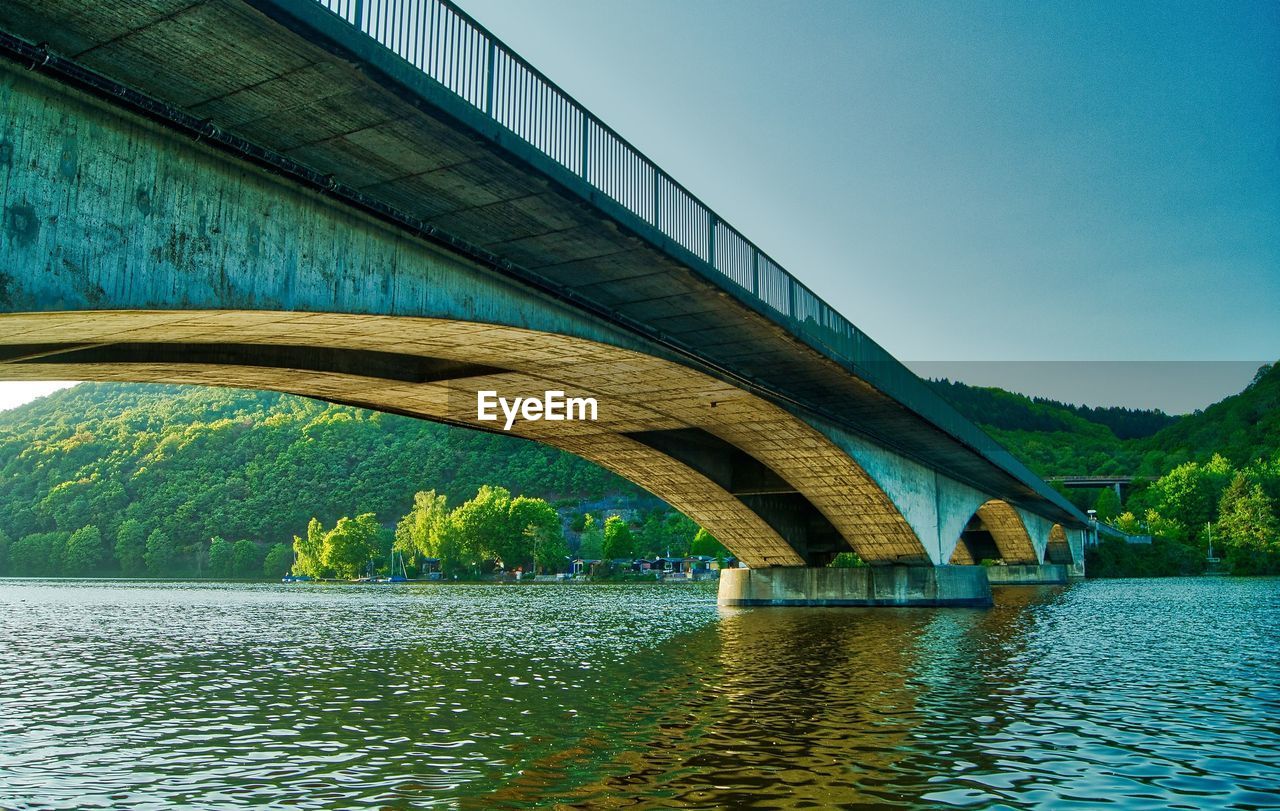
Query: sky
x=982, y=188
x=985, y=185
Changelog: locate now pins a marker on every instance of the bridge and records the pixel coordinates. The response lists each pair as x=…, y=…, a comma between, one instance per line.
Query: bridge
x=1099, y=482
x=377, y=203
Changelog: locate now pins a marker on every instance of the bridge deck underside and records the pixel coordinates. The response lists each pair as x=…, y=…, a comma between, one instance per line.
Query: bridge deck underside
x=636, y=393
x=372, y=130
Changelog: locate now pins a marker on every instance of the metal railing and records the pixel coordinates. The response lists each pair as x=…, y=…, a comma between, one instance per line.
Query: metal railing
x=449, y=46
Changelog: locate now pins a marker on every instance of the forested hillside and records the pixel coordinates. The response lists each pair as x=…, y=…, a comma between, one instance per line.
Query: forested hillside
x=1054, y=438
x=195, y=463
x=90, y=471
x=1215, y=472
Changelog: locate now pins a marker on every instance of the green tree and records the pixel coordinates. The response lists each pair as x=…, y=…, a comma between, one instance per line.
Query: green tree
x=1189, y=493
x=83, y=552
x=38, y=554
x=1129, y=524
x=131, y=548
x=705, y=544
x=541, y=532
x=1107, y=504
x=246, y=559
x=418, y=533
x=219, y=557
x=309, y=551
x=484, y=527
x=4, y=553
x=847, y=560
x=278, y=560
x=163, y=555
x=458, y=556
x=618, y=542
x=1248, y=519
x=591, y=542
x=351, y=544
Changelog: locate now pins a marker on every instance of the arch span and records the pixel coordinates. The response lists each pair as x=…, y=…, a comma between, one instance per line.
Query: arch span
x=776, y=491
x=1058, y=550
x=995, y=531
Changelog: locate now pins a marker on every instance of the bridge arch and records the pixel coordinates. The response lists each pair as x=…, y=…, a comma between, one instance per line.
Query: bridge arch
x=775, y=490
x=995, y=530
x=1058, y=549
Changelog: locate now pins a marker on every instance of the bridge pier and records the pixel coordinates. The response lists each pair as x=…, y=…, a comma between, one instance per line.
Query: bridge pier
x=1045, y=574
x=962, y=586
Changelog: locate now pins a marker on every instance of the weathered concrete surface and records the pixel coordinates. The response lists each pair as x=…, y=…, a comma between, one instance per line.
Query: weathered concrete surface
x=1039, y=530
x=1045, y=574
x=1075, y=541
x=935, y=506
x=872, y=586
x=1007, y=529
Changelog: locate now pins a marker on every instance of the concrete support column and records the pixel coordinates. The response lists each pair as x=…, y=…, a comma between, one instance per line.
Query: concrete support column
x=964, y=586
x=1045, y=574
x=1075, y=539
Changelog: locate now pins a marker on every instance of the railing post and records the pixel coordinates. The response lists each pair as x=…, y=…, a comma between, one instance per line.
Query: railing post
x=711, y=239
x=657, y=178
x=791, y=297
x=586, y=139
x=359, y=20
x=755, y=270
x=488, y=96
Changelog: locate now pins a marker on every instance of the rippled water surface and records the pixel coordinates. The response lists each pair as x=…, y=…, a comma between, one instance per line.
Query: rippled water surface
x=1125, y=694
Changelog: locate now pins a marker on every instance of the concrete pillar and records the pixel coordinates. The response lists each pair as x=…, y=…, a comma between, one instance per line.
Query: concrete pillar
x=964, y=586
x=1075, y=539
x=1044, y=574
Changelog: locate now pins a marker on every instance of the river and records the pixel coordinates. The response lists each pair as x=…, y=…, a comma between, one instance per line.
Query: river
x=1126, y=694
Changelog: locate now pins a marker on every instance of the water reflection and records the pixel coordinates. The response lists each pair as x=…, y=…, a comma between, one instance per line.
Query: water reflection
x=1132, y=693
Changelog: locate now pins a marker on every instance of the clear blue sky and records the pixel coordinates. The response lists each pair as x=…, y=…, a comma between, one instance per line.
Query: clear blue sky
x=985, y=182
x=967, y=182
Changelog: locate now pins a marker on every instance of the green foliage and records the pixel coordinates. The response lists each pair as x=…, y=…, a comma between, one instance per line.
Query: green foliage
x=591, y=543
x=278, y=561
x=193, y=463
x=418, y=533
x=158, y=470
x=163, y=556
x=246, y=559
x=1190, y=492
x=83, y=552
x=351, y=545
x=309, y=551
x=220, y=554
x=665, y=534
x=1055, y=439
x=482, y=529
x=542, y=538
x=5, y=543
x=1107, y=504
x=705, y=544
x=131, y=548
x=847, y=560
x=1247, y=519
x=38, y=554
x=1160, y=558
x=618, y=542
x=519, y=533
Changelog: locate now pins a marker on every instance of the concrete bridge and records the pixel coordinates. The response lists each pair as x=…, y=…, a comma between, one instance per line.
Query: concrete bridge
x=379, y=204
